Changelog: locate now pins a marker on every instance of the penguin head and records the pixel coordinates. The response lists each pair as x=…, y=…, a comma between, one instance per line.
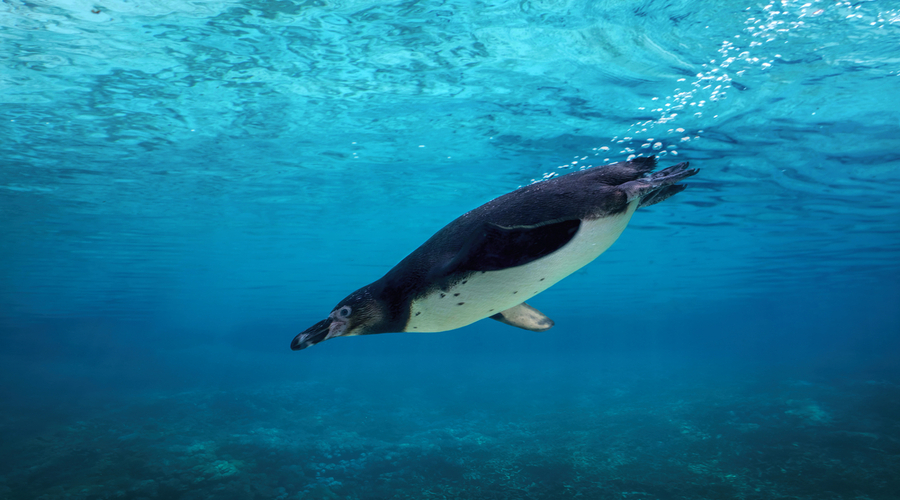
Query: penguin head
x=358, y=314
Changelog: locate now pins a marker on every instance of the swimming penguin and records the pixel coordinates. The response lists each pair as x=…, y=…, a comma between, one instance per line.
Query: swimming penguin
x=489, y=261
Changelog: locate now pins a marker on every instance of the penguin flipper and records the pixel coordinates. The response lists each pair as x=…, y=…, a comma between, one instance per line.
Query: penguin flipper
x=497, y=247
x=525, y=317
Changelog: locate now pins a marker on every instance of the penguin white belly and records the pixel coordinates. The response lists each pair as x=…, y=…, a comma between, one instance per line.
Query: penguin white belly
x=484, y=294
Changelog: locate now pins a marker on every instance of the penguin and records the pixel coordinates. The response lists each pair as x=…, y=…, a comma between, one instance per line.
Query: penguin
x=488, y=262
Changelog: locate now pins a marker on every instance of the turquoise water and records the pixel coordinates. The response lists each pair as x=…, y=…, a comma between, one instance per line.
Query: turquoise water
x=185, y=186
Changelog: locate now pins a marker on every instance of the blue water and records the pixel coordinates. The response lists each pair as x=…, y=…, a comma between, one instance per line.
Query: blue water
x=185, y=186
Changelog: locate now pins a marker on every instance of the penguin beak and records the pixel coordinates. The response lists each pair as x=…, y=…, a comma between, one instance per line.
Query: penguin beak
x=312, y=335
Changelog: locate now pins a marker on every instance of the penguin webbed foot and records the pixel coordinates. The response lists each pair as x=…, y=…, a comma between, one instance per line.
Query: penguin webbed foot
x=658, y=186
x=661, y=194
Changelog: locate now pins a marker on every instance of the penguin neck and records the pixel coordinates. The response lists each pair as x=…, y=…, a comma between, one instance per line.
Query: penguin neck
x=393, y=305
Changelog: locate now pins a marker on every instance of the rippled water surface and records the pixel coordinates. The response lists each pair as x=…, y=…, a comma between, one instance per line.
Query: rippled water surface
x=185, y=185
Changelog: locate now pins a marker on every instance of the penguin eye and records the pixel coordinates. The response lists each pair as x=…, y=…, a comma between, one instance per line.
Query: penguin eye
x=344, y=312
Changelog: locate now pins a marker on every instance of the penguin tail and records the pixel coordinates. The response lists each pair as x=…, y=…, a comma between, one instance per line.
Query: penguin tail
x=642, y=164
x=658, y=186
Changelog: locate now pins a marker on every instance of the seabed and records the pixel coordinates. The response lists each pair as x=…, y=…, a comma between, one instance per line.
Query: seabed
x=636, y=439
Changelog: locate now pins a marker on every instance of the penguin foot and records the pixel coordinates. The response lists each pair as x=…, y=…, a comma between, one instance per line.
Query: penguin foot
x=658, y=186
